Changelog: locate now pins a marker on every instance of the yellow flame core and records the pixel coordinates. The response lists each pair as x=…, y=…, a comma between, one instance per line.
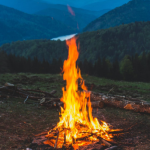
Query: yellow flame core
x=76, y=119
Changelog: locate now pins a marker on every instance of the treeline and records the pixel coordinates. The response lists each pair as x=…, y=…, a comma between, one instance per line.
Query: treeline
x=15, y=64
x=130, y=68
x=116, y=42
x=113, y=43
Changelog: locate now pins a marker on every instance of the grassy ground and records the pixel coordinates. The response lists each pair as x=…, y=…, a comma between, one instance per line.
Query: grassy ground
x=20, y=122
x=48, y=82
x=133, y=89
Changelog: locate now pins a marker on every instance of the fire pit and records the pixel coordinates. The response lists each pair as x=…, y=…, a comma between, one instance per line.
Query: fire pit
x=77, y=129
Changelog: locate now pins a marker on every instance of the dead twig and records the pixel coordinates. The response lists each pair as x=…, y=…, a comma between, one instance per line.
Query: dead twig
x=56, y=140
x=105, y=142
x=112, y=148
x=40, y=91
x=26, y=99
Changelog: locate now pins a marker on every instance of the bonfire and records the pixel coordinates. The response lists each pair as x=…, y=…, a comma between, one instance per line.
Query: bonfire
x=77, y=127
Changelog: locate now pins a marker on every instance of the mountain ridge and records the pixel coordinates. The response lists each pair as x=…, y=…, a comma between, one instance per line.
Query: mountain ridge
x=113, y=43
x=105, y=4
x=134, y=10
x=26, y=6
x=23, y=26
x=79, y=20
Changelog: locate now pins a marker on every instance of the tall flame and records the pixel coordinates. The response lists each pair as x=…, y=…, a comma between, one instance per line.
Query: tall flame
x=76, y=119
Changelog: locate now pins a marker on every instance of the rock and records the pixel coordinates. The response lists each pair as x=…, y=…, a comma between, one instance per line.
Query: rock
x=9, y=84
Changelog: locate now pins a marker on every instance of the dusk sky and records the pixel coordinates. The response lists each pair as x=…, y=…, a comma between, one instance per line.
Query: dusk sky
x=71, y=2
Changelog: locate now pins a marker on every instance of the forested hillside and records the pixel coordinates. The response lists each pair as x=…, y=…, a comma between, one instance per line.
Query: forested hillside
x=116, y=42
x=130, y=68
x=104, y=4
x=16, y=25
x=42, y=49
x=113, y=43
x=27, y=6
x=134, y=10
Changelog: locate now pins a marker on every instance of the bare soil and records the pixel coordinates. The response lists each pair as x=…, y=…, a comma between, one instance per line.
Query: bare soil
x=18, y=127
x=19, y=122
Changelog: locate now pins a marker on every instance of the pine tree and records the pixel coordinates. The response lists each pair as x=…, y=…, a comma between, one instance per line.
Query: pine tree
x=115, y=70
x=3, y=62
x=126, y=68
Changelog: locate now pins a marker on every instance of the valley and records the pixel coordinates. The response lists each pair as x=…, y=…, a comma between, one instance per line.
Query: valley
x=46, y=45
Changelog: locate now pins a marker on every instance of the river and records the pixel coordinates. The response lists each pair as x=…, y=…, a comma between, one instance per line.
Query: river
x=65, y=37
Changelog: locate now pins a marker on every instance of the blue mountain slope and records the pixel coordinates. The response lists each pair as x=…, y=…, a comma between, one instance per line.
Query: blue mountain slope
x=105, y=4
x=27, y=6
x=79, y=20
x=16, y=25
x=135, y=10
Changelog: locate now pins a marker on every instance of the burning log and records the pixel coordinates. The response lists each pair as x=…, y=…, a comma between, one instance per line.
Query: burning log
x=64, y=139
x=105, y=142
x=56, y=140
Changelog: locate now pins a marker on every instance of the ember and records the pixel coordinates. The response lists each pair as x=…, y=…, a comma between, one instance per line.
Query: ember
x=76, y=127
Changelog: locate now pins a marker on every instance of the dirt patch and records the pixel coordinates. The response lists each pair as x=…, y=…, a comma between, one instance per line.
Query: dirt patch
x=138, y=137
x=18, y=128
x=19, y=122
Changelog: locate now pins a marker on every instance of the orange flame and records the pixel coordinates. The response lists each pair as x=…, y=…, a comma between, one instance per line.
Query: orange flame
x=76, y=121
x=70, y=10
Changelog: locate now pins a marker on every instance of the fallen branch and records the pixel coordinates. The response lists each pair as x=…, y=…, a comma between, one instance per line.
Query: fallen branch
x=15, y=92
x=120, y=102
x=40, y=91
x=97, y=99
x=104, y=141
x=112, y=148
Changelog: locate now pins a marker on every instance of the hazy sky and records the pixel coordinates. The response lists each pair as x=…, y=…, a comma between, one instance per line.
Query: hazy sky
x=77, y=3
x=74, y=2
x=80, y=3
x=31, y=6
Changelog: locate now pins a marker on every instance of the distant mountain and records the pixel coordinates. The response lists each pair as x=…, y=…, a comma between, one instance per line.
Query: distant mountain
x=32, y=6
x=104, y=4
x=135, y=10
x=90, y=3
x=27, y=6
x=113, y=43
x=16, y=25
x=74, y=3
x=78, y=20
x=78, y=10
